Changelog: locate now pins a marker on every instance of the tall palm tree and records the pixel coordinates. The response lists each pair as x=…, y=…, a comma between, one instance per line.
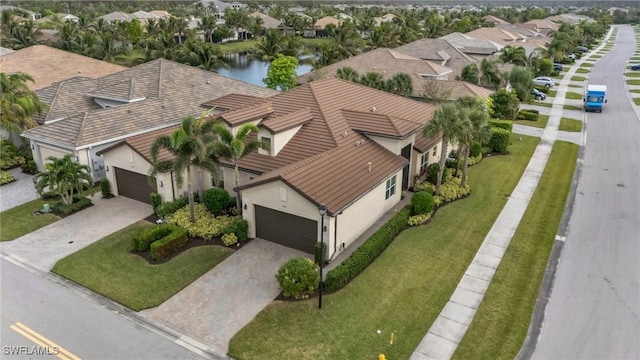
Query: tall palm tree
x=373, y=80
x=25, y=35
x=18, y=103
x=63, y=176
x=269, y=46
x=448, y=120
x=514, y=55
x=490, y=75
x=203, y=55
x=188, y=146
x=476, y=128
x=207, y=24
x=400, y=84
x=234, y=147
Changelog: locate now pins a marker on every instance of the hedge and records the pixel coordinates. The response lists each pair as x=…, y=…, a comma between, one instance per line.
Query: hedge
x=528, y=115
x=502, y=124
x=77, y=205
x=355, y=264
x=422, y=203
x=499, y=140
x=216, y=200
x=170, y=244
x=239, y=227
x=170, y=207
x=142, y=240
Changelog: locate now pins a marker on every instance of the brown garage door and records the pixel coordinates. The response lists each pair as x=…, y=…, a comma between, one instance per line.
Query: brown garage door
x=134, y=185
x=286, y=229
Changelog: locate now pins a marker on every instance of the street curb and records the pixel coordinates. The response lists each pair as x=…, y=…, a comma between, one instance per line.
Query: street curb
x=155, y=326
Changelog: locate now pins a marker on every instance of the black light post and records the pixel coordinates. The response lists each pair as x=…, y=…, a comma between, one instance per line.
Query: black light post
x=322, y=210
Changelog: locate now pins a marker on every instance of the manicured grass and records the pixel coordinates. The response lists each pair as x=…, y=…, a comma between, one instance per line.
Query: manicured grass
x=635, y=58
x=636, y=101
x=572, y=107
x=582, y=71
x=577, y=78
x=574, y=86
x=573, y=96
x=567, y=124
x=595, y=56
x=108, y=268
x=633, y=81
x=552, y=93
x=501, y=323
x=633, y=74
x=587, y=64
x=18, y=221
x=403, y=291
x=541, y=123
x=635, y=91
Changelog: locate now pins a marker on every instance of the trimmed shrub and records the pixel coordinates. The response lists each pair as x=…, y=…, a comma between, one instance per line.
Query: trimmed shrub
x=144, y=238
x=422, y=203
x=298, y=278
x=502, y=124
x=216, y=200
x=532, y=115
x=239, y=227
x=170, y=207
x=419, y=219
x=476, y=149
x=105, y=188
x=77, y=205
x=451, y=191
x=451, y=163
x=6, y=177
x=229, y=239
x=50, y=195
x=499, y=140
x=432, y=173
x=156, y=200
x=169, y=245
x=355, y=264
x=29, y=167
x=320, y=253
x=425, y=186
x=205, y=226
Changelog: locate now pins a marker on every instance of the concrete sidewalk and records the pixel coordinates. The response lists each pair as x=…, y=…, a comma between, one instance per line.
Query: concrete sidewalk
x=449, y=328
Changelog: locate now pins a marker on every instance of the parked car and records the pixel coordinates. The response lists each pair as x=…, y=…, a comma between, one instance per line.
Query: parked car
x=538, y=95
x=582, y=49
x=635, y=67
x=544, y=81
x=572, y=56
x=558, y=67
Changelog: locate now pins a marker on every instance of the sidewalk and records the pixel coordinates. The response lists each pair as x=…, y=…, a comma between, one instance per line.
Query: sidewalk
x=449, y=328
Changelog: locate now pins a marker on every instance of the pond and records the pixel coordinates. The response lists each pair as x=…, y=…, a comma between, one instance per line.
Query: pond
x=245, y=68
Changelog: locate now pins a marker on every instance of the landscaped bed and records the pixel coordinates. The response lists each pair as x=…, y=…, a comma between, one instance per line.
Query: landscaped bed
x=502, y=320
x=403, y=297
x=108, y=268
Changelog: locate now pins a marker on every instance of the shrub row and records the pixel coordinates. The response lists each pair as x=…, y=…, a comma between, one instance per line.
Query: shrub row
x=12, y=162
x=29, y=167
x=205, y=226
x=502, y=124
x=425, y=186
x=432, y=173
x=499, y=140
x=169, y=245
x=526, y=114
x=6, y=177
x=77, y=205
x=355, y=264
x=142, y=240
x=451, y=190
x=170, y=207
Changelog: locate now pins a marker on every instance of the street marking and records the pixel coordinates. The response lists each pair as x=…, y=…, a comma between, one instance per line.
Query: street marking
x=561, y=238
x=40, y=340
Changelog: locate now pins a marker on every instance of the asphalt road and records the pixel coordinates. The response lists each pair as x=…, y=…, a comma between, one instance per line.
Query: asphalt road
x=594, y=309
x=36, y=311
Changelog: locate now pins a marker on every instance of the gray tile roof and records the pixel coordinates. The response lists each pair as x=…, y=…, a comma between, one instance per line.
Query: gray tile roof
x=440, y=51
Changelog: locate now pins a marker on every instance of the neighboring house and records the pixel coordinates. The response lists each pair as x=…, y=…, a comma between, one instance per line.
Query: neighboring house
x=510, y=35
x=387, y=63
x=494, y=20
x=117, y=16
x=320, y=25
x=384, y=18
x=573, y=19
x=268, y=22
x=542, y=26
x=222, y=6
x=31, y=15
x=60, y=16
x=477, y=48
x=48, y=65
x=439, y=51
x=88, y=115
x=333, y=142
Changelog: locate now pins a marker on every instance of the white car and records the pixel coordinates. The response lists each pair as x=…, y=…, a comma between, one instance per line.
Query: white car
x=572, y=56
x=544, y=81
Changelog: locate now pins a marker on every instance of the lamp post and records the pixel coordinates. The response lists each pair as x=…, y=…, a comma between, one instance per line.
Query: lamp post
x=322, y=210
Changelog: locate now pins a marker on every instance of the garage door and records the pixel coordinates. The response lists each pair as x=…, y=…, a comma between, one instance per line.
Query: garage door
x=286, y=229
x=134, y=185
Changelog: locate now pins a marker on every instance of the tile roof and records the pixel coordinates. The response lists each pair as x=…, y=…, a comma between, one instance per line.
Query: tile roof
x=373, y=123
x=439, y=51
x=231, y=101
x=172, y=91
x=423, y=144
x=323, y=22
x=48, y=65
x=470, y=45
x=494, y=20
x=246, y=113
x=268, y=22
x=285, y=122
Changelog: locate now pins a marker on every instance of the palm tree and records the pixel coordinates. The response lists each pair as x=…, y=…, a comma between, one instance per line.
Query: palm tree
x=448, y=120
x=67, y=35
x=470, y=74
x=17, y=102
x=400, y=84
x=26, y=35
x=190, y=145
x=490, y=75
x=514, y=55
x=372, y=80
x=348, y=73
x=207, y=24
x=63, y=177
x=269, y=46
x=203, y=55
x=477, y=129
x=234, y=148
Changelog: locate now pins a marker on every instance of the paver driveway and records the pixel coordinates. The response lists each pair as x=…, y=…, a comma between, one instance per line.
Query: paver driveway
x=17, y=192
x=221, y=302
x=45, y=246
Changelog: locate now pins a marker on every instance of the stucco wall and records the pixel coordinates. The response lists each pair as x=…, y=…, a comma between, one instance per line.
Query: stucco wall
x=42, y=152
x=417, y=158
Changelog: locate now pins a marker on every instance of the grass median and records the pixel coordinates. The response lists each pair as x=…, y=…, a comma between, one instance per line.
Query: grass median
x=572, y=125
x=108, y=268
x=403, y=291
x=501, y=323
x=573, y=96
x=18, y=221
x=540, y=123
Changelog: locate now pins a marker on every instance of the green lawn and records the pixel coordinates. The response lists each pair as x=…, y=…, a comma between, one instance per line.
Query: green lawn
x=635, y=91
x=501, y=323
x=587, y=64
x=403, y=291
x=635, y=58
x=572, y=107
x=595, y=56
x=582, y=71
x=541, y=123
x=574, y=86
x=108, y=268
x=551, y=93
x=577, y=78
x=636, y=100
x=573, y=96
x=540, y=103
x=633, y=74
x=567, y=124
x=633, y=81
x=18, y=221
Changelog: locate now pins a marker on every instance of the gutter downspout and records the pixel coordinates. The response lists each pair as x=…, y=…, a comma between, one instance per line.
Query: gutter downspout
x=173, y=190
x=335, y=238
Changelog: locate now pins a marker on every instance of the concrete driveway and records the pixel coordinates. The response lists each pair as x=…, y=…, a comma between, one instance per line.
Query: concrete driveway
x=45, y=246
x=17, y=192
x=215, y=307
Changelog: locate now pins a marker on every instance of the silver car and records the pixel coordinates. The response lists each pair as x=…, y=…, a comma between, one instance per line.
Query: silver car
x=544, y=81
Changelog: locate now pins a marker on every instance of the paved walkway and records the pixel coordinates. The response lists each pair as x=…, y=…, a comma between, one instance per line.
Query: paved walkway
x=442, y=339
x=221, y=302
x=18, y=192
x=44, y=247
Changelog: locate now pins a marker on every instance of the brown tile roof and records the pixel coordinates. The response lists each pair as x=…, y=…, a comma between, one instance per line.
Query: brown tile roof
x=246, y=113
x=323, y=22
x=268, y=22
x=423, y=143
x=288, y=121
x=463, y=88
x=439, y=51
x=373, y=123
x=172, y=91
x=494, y=20
x=231, y=101
x=48, y=65
x=470, y=45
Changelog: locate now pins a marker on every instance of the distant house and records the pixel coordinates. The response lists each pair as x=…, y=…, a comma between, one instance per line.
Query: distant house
x=321, y=24
x=60, y=16
x=542, y=26
x=117, y=16
x=439, y=51
x=570, y=18
x=494, y=20
x=268, y=22
x=511, y=35
x=222, y=6
x=477, y=48
x=30, y=15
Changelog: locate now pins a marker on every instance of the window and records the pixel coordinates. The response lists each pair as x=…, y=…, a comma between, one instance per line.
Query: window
x=266, y=140
x=435, y=151
x=424, y=161
x=220, y=179
x=391, y=188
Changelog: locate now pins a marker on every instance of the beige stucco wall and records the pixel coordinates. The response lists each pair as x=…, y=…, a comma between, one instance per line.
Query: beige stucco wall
x=41, y=152
x=417, y=158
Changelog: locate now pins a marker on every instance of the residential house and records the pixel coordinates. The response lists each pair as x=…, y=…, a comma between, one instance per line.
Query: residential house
x=384, y=18
x=117, y=16
x=542, y=26
x=221, y=6
x=60, y=16
x=321, y=24
x=388, y=63
x=511, y=35
x=268, y=22
x=439, y=51
x=333, y=142
x=490, y=19
x=88, y=115
x=570, y=18
x=477, y=48
x=30, y=14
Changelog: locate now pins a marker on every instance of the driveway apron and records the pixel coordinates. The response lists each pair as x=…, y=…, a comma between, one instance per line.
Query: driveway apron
x=45, y=246
x=215, y=307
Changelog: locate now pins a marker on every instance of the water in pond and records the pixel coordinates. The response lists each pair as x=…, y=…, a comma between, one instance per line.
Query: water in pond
x=247, y=69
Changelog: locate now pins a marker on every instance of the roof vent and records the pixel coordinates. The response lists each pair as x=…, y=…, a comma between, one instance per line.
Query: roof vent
x=369, y=163
x=129, y=111
x=344, y=134
x=208, y=82
x=373, y=109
